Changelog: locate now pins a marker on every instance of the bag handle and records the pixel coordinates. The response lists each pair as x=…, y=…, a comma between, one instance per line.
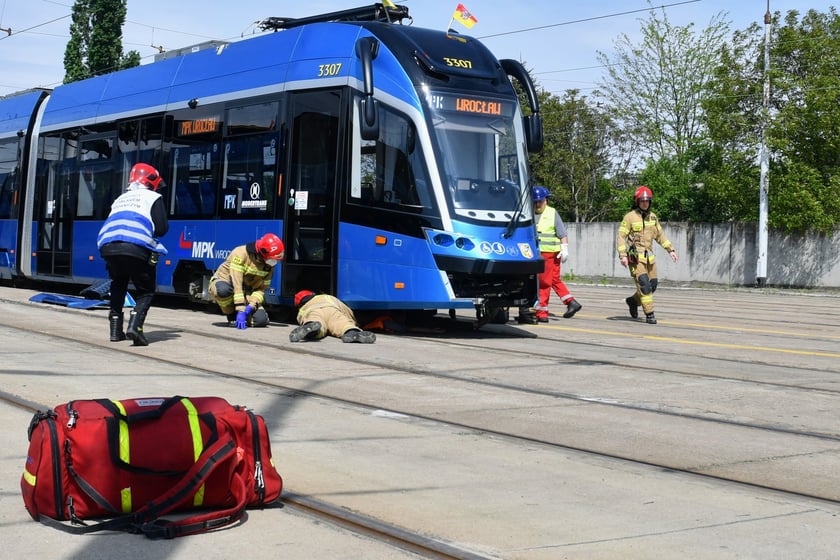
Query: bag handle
x=208, y=461
x=151, y=414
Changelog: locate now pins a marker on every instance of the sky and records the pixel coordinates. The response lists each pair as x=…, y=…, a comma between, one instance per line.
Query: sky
x=557, y=39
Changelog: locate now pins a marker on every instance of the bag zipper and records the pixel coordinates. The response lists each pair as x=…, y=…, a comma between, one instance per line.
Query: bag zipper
x=259, y=480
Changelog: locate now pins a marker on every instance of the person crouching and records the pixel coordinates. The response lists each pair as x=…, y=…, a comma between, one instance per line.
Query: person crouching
x=239, y=284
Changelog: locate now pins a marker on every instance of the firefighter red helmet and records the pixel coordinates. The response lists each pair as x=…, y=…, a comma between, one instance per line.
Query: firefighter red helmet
x=642, y=193
x=269, y=246
x=146, y=175
x=301, y=295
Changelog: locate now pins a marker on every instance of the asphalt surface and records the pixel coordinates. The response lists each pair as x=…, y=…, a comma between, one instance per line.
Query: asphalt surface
x=542, y=495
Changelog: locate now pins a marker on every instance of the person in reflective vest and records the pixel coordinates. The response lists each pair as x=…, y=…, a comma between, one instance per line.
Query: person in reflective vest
x=554, y=248
x=638, y=230
x=128, y=241
x=239, y=284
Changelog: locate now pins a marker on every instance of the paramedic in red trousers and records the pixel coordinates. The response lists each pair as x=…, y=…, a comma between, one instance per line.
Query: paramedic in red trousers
x=638, y=230
x=323, y=314
x=128, y=241
x=239, y=284
x=554, y=248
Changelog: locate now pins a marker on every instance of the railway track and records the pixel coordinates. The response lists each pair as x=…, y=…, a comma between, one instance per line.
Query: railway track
x=222, y=337
x=371, y=528
x=590, y=402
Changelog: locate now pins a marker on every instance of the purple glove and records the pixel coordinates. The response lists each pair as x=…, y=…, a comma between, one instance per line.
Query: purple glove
x=242, y=320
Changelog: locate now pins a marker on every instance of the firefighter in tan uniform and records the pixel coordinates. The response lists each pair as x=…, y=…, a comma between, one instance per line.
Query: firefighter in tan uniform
x=638, y=230
x=323, y=314
x=239, y=284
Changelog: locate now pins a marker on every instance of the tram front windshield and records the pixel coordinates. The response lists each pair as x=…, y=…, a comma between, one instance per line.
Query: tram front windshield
x=483, y=159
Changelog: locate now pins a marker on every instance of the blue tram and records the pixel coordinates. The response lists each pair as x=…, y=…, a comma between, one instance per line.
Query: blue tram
x=392, y=160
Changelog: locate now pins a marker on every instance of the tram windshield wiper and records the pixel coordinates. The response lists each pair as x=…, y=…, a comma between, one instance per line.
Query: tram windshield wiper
x=511, y=225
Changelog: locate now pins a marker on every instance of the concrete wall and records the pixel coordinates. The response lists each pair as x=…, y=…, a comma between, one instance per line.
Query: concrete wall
x=715, y=254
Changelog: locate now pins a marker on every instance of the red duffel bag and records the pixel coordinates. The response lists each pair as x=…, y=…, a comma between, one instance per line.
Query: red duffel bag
x=133, y=461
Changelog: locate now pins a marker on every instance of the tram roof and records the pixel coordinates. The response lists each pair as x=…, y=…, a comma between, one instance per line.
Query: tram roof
x=16, y=111
x=266, y=64
x=207, y=75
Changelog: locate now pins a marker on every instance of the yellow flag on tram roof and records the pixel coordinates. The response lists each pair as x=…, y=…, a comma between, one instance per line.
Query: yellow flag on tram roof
x=388, y=4
x=464, y=17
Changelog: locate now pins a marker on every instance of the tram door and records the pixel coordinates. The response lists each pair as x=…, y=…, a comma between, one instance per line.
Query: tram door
x=309, y=191
x=55, y=223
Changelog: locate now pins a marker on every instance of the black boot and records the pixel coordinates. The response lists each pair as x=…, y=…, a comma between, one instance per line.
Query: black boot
x=527, y=316
x=358, y=335
x=307, y=331
x=135, y=328
x=632, y=306
x=116, y=321
x=259, y=318
x=650, y=318
x=572, y=308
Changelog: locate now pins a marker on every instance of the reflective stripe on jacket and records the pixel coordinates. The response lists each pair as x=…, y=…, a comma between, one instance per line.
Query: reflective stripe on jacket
x=130, y=221
x=639, y=232
x=547, y=234
x=247, y=274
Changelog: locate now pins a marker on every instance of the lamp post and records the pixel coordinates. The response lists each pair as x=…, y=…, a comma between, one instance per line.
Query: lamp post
x=764, y=180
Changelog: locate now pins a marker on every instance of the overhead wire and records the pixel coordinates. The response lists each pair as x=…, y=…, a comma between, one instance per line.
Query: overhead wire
x=584, y=20
x=13, y=32
x=158, y=50
x=593, y=18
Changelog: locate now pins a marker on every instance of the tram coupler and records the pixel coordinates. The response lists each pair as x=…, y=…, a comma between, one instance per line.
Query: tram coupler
x=490, y=314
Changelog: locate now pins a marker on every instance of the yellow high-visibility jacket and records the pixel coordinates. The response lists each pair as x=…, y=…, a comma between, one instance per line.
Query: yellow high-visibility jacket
x=637, y=234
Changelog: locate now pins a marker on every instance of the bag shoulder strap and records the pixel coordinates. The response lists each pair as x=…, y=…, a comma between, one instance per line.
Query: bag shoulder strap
x=167, y=529
x=146, y=520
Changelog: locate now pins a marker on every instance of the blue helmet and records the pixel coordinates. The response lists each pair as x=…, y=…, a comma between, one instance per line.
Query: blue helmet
x=539, y=193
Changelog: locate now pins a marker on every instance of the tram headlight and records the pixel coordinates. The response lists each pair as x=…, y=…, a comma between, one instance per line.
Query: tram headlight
x=465, y=244
x=446, y=240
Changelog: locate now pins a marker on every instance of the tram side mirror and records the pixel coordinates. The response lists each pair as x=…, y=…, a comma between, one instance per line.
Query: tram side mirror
x=370, y=119
x=366, y=50
x=533, y=122
x=533, y=133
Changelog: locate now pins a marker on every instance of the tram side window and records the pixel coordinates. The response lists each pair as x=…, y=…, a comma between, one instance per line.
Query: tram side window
x=252, y=119
x=62, y=181
x=8, y=177
x=250, y=181
x=97, y=184
x=194, y=185
x=195, y=157
x=139, y=141
x=49, y=149
x=150, y=143
x=393, y=170
x=56, y=189
x=314, y=144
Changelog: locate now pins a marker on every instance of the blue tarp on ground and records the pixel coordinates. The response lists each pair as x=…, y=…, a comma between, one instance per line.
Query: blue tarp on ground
x=76, y=301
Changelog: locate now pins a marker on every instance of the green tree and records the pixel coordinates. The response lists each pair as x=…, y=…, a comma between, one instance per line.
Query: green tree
x=803, y=121
x=654, y=89
x=575, y=158
x=95, y=45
